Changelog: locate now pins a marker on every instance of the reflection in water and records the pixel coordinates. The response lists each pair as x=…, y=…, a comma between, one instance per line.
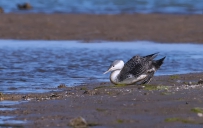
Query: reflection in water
x=35, y=66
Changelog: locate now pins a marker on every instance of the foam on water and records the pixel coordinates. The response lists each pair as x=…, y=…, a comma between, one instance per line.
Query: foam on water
x=37, y=66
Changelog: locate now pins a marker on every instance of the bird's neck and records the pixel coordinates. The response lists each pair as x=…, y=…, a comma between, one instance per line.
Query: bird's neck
x=114, y=76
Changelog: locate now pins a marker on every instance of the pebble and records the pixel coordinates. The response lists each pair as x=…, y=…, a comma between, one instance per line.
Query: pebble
x=200, y=114
x=78, y=122
x=200, y=81
x=1, y=10
x=190, y=83
x=24, y=6
x=62, y=86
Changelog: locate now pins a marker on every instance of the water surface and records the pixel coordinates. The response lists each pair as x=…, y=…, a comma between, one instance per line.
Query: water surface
x=106, y=6
x=37, y=66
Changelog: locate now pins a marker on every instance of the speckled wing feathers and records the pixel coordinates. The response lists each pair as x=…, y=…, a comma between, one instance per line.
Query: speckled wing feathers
x=136, y=66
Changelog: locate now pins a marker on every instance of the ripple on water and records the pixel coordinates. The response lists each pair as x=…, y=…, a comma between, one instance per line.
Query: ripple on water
x=40, y=66
x=9, y=121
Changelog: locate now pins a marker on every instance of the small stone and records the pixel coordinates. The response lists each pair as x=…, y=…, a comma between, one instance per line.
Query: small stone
x=200, y=114
x=62, y=86
x=91, y=92
x=78, y=122
x=25, y=97
x=86, y=92
x=200, y=81
x=54, y=95
x=140, y=87
x=190, y=83
x=24, y=6
x=1, y=10
x=186, y=103
x=178, y=81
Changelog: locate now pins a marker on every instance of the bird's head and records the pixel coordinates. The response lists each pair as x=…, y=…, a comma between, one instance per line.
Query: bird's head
x=116, y=65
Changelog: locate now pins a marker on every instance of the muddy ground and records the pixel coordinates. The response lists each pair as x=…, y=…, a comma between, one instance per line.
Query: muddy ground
x=124, y=27
x=168, y=101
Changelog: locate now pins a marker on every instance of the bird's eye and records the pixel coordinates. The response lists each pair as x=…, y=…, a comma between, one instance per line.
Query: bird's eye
x=113, y=66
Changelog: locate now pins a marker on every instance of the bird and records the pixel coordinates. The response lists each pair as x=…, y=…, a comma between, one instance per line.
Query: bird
x=138, y=70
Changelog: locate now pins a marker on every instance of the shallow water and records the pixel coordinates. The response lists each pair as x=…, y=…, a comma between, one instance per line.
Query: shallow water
x=7, y=105
x=9, y=121
x=37, y=66
x=107, y=6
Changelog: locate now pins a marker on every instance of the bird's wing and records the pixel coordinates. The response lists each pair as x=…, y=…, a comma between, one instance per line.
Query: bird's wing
x=148, y=78
x=136, y=66
x=151, y=56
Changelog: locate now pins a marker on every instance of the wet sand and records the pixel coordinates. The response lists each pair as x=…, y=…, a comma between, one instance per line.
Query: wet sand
x=168, y=101
x=124, y=27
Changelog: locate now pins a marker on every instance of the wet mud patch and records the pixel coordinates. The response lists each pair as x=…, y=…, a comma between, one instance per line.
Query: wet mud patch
x=167, y=101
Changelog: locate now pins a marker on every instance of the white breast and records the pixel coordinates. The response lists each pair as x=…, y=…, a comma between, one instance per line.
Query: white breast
x=114, y=76
x=130, y=80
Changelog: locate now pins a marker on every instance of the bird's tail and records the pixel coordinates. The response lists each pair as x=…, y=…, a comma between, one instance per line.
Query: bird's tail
x=158, y=63
x=152, y=56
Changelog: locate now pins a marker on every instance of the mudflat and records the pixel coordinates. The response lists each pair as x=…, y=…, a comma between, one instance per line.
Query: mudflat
x=123, y=27
x=168, y=101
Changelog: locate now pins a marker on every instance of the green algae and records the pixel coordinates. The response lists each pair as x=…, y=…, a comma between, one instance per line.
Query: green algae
x=197, y=110
x=119, y=121
x=175, y=119
x=83, y=88
x=174, y=77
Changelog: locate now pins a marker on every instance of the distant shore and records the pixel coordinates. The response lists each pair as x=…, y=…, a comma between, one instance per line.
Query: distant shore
x=163, y=28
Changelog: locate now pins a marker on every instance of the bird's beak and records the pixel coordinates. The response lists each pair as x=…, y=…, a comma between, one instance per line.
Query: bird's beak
x=107, y=71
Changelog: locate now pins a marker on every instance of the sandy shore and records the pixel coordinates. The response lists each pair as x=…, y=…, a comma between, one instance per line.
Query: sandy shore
x=123, y=27
x=169, y=101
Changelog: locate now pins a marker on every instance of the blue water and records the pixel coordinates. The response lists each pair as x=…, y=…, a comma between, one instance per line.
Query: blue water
x=38, y=66
x=106, y=6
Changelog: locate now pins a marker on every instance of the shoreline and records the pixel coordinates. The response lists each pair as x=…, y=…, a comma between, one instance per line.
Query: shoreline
x=169, y=100
x=160, y=28
x=166, y=80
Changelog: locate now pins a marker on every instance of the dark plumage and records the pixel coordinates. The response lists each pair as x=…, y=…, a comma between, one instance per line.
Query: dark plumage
x=156, y=64
x=137, y=66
